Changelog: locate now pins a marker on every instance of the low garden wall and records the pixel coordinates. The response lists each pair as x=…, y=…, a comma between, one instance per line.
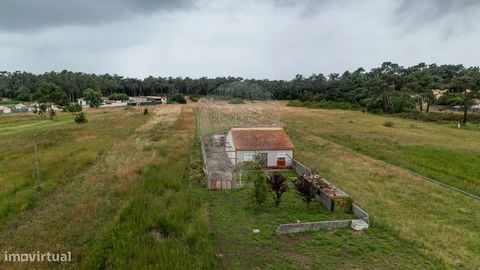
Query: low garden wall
x=313, y=226
x=339, y=198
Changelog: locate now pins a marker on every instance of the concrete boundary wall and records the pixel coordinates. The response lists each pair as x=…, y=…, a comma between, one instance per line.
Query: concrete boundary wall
x=299, y=168
x=360, y=213
x=313, y=226
x=324, y=199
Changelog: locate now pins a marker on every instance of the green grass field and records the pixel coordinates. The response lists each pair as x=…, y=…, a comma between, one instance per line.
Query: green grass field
x=441, y=152
x=234, y=217
x=343, y=146
x=125, y=191
x=115, y=192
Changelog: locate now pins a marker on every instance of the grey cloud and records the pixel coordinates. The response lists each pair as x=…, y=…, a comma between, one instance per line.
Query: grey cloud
x=247, y=38
x=456, y=17
x=438, y=7
x=25, y=15
x=308, y=7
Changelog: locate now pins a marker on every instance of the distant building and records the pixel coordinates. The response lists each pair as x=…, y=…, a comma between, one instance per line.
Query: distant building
x=271, y=144
x=5, y=109
x=82, y=102
x=438, y=93
x=147, y=100
x=20, y=107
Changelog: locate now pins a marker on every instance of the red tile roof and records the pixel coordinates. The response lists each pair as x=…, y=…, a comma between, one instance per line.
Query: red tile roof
x=261, y=138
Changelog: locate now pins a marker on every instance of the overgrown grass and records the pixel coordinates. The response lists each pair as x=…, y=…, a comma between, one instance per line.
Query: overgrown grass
x=442, y=223
x=165, y=223
x=447, y=154
x=65, y=151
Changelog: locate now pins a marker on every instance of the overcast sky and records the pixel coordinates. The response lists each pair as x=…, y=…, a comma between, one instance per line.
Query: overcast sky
x=273, y=39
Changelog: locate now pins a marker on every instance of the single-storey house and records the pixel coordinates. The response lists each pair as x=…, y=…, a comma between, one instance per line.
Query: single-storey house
x=5, y=109
x=160, y=99
x=271, y=144
x=147, y=100
x=82, y=102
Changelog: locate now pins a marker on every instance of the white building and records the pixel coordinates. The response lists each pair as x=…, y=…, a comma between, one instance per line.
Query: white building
x=20, y=107
x=82, y=102
x=272, y=144
x=5, y=109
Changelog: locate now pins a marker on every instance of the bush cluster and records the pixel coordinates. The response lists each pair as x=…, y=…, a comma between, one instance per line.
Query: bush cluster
x=177, y=98
x=236, y=101
x=439, y=116
x=324, y=105
x=80, y=118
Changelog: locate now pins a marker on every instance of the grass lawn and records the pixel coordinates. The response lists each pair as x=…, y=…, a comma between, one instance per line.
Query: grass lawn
x=442, y=223
x=234, y=217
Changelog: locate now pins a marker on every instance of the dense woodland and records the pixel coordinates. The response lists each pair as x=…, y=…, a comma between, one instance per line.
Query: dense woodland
x=389, y=88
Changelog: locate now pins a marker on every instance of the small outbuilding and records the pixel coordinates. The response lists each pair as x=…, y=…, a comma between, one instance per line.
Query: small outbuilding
x=271, y=144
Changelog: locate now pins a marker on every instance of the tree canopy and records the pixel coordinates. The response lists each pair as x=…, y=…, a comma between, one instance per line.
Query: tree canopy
x=118, y=96
x=388, y=88
x=93, y=97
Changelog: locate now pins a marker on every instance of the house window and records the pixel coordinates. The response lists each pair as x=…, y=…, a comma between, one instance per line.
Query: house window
x=281, y=156
x=248, y=156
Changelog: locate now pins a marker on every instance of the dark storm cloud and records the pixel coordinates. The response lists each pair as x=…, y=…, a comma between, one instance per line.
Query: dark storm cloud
x=22, y=15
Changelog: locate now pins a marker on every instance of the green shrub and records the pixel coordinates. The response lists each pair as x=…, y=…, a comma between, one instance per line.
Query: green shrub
x=342, y=204
x=439, y=116
x=324, y=105
x=177, y=98
x=118, y=96
x=260, y=186
x=194, y=97
x=236, y=101
x=145, y=111
x=51, y=113
x=305, y=189
x=388, y=123
x=80, y=118
x=278, y=185
x=74, y=107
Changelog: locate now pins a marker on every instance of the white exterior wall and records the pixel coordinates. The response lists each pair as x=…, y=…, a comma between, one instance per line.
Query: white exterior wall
x=82, y=102
x=272, y=156
x=230, y=148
